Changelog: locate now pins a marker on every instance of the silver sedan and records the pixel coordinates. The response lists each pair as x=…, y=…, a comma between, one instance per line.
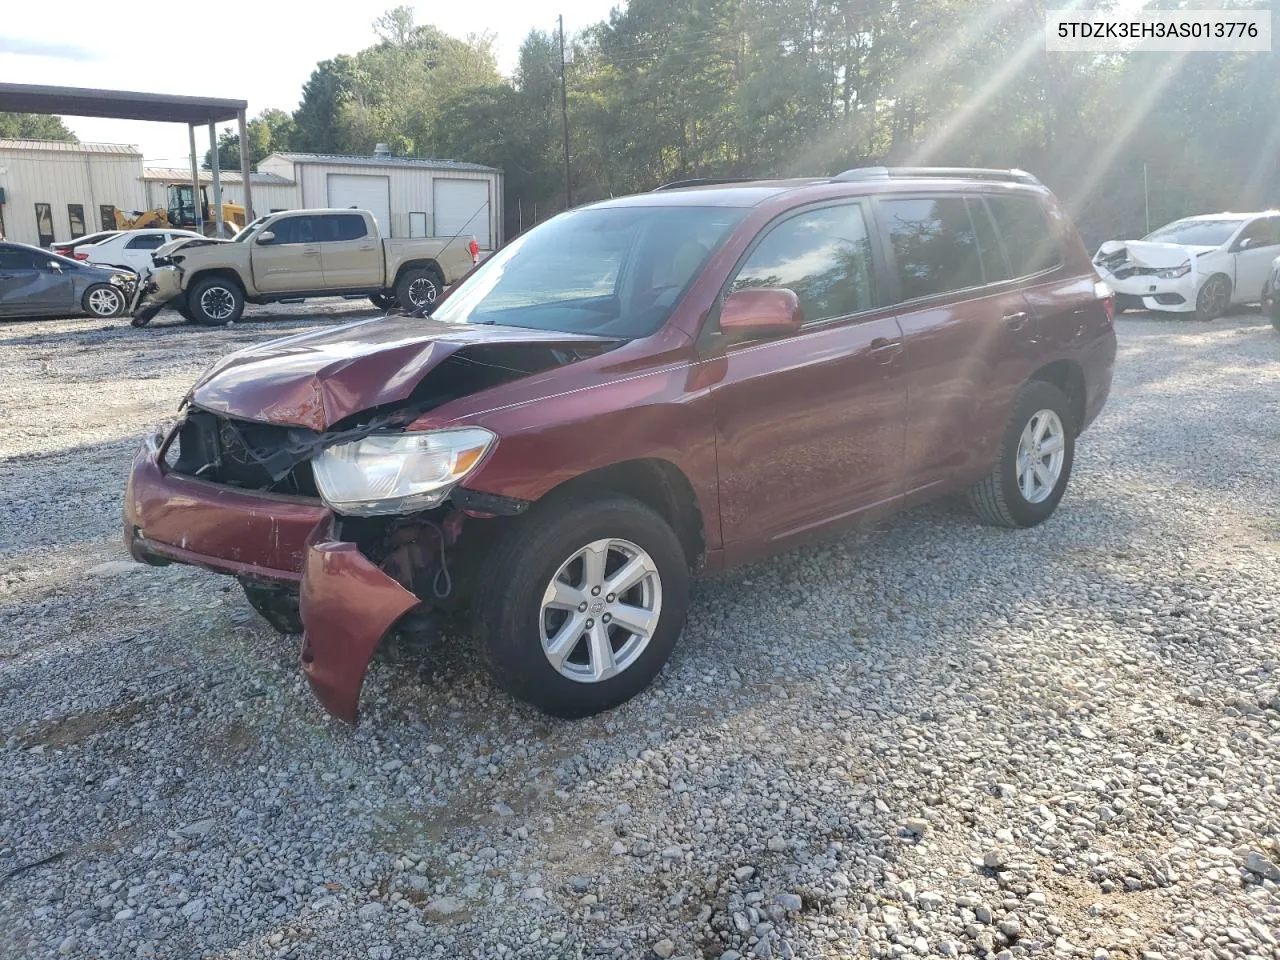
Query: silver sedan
x=36, y=283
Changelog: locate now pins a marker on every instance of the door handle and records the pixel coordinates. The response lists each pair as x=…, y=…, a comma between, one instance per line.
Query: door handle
x=1016, y=321
x=311, y=252
x=367, y=249
x=885, y=350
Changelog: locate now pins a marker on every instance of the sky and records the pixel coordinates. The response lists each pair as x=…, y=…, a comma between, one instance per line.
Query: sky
x=261, y=51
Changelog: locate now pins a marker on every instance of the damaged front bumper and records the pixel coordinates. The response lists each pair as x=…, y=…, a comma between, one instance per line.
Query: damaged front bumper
x=1151, y=292
x=347, y=601
x=154, y=291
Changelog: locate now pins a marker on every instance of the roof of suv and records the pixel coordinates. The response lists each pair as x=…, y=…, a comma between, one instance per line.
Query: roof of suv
x=746, y=192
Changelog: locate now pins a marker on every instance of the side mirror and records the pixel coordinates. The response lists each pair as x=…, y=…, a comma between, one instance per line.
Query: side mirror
x=53, y=266
x=266, y=236
x=759, y=312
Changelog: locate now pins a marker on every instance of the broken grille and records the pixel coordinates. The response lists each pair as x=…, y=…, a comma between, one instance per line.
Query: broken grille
x=231, y=452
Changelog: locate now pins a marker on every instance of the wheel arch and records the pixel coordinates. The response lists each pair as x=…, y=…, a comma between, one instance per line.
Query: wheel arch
x=655, y=482
x=223, y=272
x=1067, y=376
x=428, y=263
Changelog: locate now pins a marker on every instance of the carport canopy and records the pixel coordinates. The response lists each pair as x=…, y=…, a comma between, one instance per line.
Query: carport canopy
x=131, y=105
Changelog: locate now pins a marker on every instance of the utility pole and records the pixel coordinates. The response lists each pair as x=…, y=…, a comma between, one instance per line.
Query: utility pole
x=1146, y=197
x=564, y=114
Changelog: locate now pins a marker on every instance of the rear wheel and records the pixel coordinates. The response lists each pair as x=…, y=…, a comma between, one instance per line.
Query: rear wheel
x=1036, y=455
x=592, y=598
x=104, y=301
x=215, y=301
x=1214, y=298
x=419, y=287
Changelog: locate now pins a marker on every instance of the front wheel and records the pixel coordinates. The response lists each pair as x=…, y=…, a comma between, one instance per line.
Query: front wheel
x=104, y=301
x=215, y=302
x=1036, y=455
x=1214, y=298
x=587, y=603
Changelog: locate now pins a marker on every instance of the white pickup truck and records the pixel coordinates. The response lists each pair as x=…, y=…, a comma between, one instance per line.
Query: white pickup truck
x=295, y=255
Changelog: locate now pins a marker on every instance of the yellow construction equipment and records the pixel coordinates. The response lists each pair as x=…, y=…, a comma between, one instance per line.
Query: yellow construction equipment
x=181, y=213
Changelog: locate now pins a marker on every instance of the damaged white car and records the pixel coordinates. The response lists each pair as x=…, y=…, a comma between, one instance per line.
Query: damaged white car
x=1197, y=265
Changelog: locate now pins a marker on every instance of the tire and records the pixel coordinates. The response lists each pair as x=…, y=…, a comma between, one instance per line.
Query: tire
x=1275, y=315
x=419, y=287
x=1000, y=498
x=514, y=627
x=1214, y=298
x=276, y=605
x=215, y=301
x=384, y=301
x=103, y=301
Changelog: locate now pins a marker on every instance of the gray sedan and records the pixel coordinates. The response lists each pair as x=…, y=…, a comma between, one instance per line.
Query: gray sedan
x=36, y=283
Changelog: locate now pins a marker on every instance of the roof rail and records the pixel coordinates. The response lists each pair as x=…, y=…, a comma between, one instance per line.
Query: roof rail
x=702, y=182
x=959, y=173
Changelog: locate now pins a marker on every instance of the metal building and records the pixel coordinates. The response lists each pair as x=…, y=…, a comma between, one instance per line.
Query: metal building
x=56, y=190
x=271, y=192
x=410, y=197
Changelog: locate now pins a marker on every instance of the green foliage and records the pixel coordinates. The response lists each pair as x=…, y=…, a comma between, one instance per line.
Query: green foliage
x=271, y=131
x=34, y=126
x=667, y=89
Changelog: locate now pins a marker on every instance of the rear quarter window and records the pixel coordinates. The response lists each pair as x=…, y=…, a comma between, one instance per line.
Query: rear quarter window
x=1030, y=241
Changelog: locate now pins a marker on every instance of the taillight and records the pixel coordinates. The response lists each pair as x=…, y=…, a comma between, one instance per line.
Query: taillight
x=80, y=256
x=474, y=248
x=1108, y=298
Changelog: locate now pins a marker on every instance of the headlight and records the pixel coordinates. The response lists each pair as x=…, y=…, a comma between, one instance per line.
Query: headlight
x=398, y=473
x=1175, y=272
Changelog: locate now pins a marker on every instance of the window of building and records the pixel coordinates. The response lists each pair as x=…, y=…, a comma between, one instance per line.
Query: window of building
x=823, y=256
x=934, y=245
x=44, y=223
x=75, y=217
x=107, y=216
x=1029, y=241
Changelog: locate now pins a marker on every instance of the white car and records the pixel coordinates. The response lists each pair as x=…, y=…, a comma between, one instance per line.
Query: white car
x=1197, y=265
x=130, y=249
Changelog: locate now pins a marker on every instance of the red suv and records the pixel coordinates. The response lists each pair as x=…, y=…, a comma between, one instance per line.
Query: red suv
x=698, y=376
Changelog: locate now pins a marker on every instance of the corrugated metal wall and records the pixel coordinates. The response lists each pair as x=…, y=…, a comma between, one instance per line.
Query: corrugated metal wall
x=411, y=190
x=60, y=177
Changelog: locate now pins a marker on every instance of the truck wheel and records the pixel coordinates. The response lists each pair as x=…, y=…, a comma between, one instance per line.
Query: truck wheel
x=215, y=301
x=384, y=301
x=104, y=301
x=1036, y=454
x=419, y=287
x=589, y=599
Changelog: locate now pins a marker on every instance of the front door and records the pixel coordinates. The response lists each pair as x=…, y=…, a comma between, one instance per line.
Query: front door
x=33, y=284
x=810, y=428
x=1255, y=250
x=290, y=261
x=351, y=258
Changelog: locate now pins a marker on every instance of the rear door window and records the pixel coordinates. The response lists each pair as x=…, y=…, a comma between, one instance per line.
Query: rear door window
x=823, y=256
x=148, y=241
x=934, y=245
x=994, y=265
x=1028, y=239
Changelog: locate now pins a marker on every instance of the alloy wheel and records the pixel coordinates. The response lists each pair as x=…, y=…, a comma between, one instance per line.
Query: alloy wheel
x=422, y=291
x=600, y=610
x=106, y=302
x=1041, y=451
x=217, y=303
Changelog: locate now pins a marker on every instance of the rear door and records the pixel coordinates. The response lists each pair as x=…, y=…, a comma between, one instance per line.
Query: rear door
x=809, y=428
x=350, y=257
x=290, y=261
x=969, y=331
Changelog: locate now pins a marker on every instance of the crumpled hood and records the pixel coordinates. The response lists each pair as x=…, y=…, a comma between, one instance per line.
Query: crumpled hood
x=168, y=249
x=1148, y=253
x=318, y=378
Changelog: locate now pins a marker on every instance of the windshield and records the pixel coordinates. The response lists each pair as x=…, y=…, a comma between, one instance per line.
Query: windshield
x=1196, y=233
x=248, y=231
x=612, y=271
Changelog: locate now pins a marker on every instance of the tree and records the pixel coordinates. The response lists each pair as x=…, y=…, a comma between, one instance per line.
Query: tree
x=271, y=131
x=34, y=126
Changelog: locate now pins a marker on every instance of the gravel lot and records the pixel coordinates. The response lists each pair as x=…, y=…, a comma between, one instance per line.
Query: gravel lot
x=930, y=738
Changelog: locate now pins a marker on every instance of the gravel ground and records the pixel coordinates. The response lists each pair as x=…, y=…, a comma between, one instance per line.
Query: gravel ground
x=929, y=738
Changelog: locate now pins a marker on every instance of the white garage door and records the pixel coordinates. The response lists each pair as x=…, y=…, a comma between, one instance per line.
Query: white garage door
x=365, y=193
x=462, y=207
